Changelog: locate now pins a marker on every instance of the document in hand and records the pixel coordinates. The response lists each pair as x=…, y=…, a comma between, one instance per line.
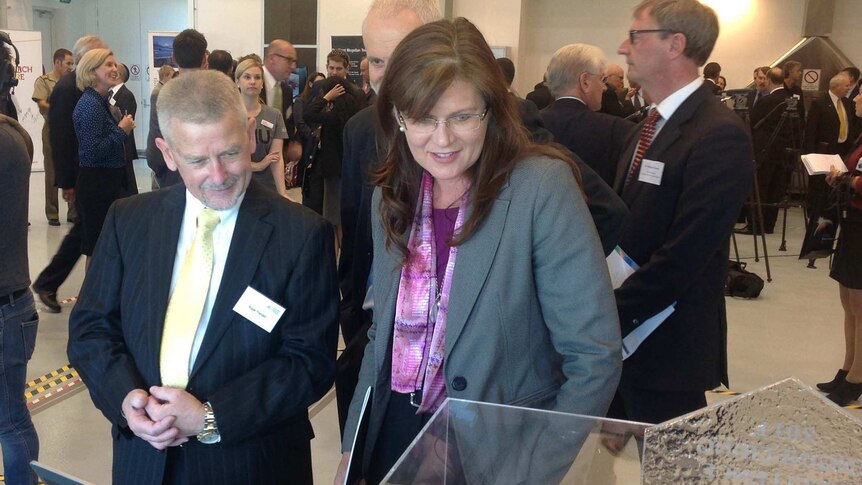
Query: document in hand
x=620, y=267
x=820, y=164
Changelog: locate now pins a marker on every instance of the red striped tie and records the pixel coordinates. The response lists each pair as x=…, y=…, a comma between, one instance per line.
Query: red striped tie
x=647, y=134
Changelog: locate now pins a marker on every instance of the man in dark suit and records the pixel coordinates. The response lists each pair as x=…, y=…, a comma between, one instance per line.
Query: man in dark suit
x=64, y=147
x=614, y=97
x=760, y=90
x=384, y=27
x=684, y=176
x=278, y=63
x=217, y=334
x=190, y=50
x=793, y=84
x=770, y=116
x=528, y=110
x=124, y=100
x=831, y=119
x=711, y=74
x=855, y=80
x=540, y=95
x=574, y=77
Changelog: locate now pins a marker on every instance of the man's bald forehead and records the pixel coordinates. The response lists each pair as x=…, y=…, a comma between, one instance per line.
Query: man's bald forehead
x=615, y=69
x=405, y=21
x=277, y=45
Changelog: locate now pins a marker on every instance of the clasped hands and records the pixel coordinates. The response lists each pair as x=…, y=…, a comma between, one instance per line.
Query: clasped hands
x=165, y=417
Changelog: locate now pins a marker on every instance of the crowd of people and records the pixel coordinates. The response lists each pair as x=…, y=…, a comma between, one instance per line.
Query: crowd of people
x=455, y=232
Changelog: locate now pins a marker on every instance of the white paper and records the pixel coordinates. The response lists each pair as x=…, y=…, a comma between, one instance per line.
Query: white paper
x=259, y=309
x=620, y=267
x=651, y=172
x=819, y=163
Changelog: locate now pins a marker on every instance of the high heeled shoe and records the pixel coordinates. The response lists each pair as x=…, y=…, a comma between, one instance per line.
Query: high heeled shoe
x=845, y=393
x=833, y=384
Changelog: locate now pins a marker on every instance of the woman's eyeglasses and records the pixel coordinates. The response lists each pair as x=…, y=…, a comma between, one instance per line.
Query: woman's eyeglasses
x=462, y=123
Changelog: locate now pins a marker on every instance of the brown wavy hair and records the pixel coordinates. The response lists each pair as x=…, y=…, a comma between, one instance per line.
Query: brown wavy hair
x=422, y=67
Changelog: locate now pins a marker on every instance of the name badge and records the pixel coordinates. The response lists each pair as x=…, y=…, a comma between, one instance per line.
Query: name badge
x=267, y=124
x=259, y=309
x=651, y=172
x=112, y=101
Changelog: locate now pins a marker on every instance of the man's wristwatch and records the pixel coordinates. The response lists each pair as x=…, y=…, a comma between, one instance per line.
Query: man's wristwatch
x=210, y=433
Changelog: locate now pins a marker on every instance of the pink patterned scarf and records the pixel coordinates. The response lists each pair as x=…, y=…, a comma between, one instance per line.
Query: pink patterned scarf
x=422, y=309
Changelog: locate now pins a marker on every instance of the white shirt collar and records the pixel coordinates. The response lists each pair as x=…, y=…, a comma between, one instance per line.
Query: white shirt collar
x=835, y=99
x=116, y=88
x=269, y=83
x=776, y=89
x=669, y=105
x=573, y=97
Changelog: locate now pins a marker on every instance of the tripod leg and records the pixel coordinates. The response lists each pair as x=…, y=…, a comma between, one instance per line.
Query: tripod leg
x=735, y=247
x=783, y=246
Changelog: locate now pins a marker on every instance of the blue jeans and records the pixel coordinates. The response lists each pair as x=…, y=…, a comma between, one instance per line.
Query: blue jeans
x=18, y=324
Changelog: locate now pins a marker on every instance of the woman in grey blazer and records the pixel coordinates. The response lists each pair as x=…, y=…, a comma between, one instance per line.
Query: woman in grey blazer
x=489, y=280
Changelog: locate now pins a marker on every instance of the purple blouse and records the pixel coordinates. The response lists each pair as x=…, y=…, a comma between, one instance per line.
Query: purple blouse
x=444, y=228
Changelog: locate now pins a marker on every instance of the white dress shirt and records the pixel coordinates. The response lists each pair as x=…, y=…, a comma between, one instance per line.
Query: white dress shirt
x=269, y=83
x=835, y=102
x=222, y=235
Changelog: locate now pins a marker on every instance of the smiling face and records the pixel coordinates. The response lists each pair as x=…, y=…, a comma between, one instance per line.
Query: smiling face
x=445, y=154
x=214, y=160
x=251, y=82
x=106, y=75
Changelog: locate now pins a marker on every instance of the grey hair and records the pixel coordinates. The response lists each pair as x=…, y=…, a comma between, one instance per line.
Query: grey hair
x=427, y=10
x=85, y=44
x=697, y=22
x=199, y=97
x=838, y=78
x=569, y=62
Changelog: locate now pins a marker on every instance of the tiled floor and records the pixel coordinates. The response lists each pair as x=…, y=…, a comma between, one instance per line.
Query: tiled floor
x=793, y=329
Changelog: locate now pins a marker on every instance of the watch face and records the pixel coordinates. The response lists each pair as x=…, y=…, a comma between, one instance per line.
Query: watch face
x=209, y=438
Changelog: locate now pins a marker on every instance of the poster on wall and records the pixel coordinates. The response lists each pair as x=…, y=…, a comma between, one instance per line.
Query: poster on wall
x=161, y=47
x=354, y=47
x=29, y=46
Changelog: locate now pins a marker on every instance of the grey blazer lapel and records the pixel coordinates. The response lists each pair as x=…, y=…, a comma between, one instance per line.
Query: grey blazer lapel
x=250, y=237
x=163, y=234
x=471, y=269
x=384, y=308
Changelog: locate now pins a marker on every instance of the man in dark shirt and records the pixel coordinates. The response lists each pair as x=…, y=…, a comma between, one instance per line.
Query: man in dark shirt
x=18, y=318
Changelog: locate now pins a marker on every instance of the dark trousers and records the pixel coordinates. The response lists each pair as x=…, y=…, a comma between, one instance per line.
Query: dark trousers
x=312, y=189
x=63, y=261
x=773, y=176
x=654, y=406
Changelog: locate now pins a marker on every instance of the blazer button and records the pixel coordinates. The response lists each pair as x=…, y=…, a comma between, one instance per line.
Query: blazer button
x=459, y=383
x=636, y=322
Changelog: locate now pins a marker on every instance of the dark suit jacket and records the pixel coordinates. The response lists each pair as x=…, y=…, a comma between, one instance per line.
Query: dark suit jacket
x=164, y=176
x=540, y=95
x=612, y=105
x=716, y=89
x=259, y=384
x=127, y=104
x=823, y=126
x=765, y=118
x=597, y=138
x=64, y=143
x=678, y=233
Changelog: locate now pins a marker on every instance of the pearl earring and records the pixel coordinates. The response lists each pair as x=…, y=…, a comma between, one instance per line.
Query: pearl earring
x=402, y=129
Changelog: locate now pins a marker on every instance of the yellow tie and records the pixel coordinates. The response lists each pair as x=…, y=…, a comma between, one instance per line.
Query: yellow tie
x=187, y=304
x=277, y=96
x=842, y=127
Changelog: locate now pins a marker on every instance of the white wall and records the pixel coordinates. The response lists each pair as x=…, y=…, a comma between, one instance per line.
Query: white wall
x=232, y=25
x=845, y=32
x=499, y=21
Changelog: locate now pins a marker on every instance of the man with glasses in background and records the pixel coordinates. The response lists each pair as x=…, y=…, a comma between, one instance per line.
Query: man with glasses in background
x=278, y=63
x=684, y=175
